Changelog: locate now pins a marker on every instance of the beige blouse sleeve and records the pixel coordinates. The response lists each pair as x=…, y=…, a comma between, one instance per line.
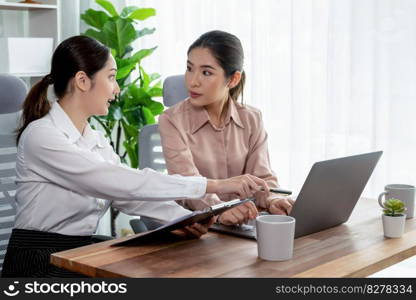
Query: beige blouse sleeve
x=258, y=161
x=179, y=160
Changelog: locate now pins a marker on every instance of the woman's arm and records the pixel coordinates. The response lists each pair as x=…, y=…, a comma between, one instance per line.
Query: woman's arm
x=50, y=155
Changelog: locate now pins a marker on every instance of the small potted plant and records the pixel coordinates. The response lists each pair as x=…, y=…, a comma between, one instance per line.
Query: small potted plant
x=393, y=218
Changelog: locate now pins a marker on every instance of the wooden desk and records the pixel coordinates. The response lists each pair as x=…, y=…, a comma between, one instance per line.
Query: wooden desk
x=354, y=249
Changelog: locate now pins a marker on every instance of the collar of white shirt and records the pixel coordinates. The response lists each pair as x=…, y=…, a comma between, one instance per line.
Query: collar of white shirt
x=61, y=120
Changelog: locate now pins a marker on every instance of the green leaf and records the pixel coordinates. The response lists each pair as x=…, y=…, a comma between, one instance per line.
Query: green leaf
x=148, y=115
x=130, y=130
x=139, y=55
x=156, y=92
x=133, y=116
x=393, y=207
x=132, y=153
x=144, y=31
x=155, y=107
x=95, y=18
x=98, y=35
x=154, y=76
x=126, y=65
x=108, y=6
x=120, y=33
x=124, y=71
x=122, y=83
x=142, y=13
x=121, y=62
x=128, y=49
x=127, y=11
x=138, y=96
x=145, y=78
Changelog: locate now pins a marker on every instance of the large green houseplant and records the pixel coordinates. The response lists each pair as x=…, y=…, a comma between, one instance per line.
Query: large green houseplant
x=134, y=106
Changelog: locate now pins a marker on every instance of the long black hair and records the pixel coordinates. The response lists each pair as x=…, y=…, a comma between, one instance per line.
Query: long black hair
x=77, y=53
x=228, y=51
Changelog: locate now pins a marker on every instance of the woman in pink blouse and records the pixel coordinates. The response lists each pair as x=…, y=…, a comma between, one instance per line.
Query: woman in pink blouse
x=211, y=134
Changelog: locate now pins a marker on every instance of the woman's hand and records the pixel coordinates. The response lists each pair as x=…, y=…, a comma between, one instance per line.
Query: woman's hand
x=239, y=214
x=244, y=186
x=195, y=230
x=280, y=206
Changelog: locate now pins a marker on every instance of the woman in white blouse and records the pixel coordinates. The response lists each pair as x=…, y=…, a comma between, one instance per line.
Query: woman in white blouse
x=68, y=175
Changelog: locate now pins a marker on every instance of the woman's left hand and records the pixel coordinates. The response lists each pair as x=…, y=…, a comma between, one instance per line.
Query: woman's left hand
x=195, y=230
x=280, y=206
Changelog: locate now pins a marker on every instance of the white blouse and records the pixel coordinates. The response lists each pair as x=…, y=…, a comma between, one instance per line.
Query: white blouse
x=63, y=178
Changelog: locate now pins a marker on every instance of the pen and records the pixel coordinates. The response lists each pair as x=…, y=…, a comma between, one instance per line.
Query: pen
x=280, y=191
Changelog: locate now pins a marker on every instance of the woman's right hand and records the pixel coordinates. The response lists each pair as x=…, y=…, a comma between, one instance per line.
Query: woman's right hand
x=239, y=214
x=244, y=186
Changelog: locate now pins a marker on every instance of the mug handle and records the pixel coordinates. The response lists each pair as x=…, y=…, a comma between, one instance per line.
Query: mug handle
x=380, y=199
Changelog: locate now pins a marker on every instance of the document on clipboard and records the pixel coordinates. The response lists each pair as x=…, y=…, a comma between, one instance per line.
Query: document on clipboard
x=194, y=217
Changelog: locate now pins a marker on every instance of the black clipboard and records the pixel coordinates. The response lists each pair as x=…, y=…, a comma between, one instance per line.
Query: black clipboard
x=194, y=217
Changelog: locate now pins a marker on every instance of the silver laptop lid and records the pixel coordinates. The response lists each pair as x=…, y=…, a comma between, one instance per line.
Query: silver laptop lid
x=331, y=191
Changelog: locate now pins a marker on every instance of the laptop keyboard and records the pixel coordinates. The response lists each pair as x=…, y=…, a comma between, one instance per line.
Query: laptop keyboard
x=244, y=230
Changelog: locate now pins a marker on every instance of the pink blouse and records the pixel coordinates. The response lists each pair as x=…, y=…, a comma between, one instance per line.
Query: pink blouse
x=193, y=145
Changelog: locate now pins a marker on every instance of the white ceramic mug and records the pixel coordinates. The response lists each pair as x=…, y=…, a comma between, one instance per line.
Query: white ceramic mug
x=403, y=192
x=275, y=237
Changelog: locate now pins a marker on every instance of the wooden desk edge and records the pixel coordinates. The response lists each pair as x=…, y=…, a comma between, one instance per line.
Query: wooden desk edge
x=369, y=261
x=62, y=259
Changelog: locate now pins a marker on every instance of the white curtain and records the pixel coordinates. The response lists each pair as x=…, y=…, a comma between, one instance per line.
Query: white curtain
x=332, y=78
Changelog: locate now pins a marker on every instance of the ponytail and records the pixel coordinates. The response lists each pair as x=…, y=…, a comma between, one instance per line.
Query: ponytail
x=36, y=104
x=238, y=90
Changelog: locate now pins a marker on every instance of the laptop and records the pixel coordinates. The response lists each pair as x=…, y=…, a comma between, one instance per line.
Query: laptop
x=327, y=197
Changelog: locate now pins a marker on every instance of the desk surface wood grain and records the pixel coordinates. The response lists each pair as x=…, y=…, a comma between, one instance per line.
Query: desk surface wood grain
x=356, y=248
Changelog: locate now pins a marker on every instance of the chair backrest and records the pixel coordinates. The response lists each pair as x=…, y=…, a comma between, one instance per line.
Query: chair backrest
x=7, y=191
x=10, y=106
x=12, y=94
x=174, y=90
x=150, y=147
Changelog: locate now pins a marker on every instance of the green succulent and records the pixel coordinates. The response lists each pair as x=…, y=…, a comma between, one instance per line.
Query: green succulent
x=393, y=207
